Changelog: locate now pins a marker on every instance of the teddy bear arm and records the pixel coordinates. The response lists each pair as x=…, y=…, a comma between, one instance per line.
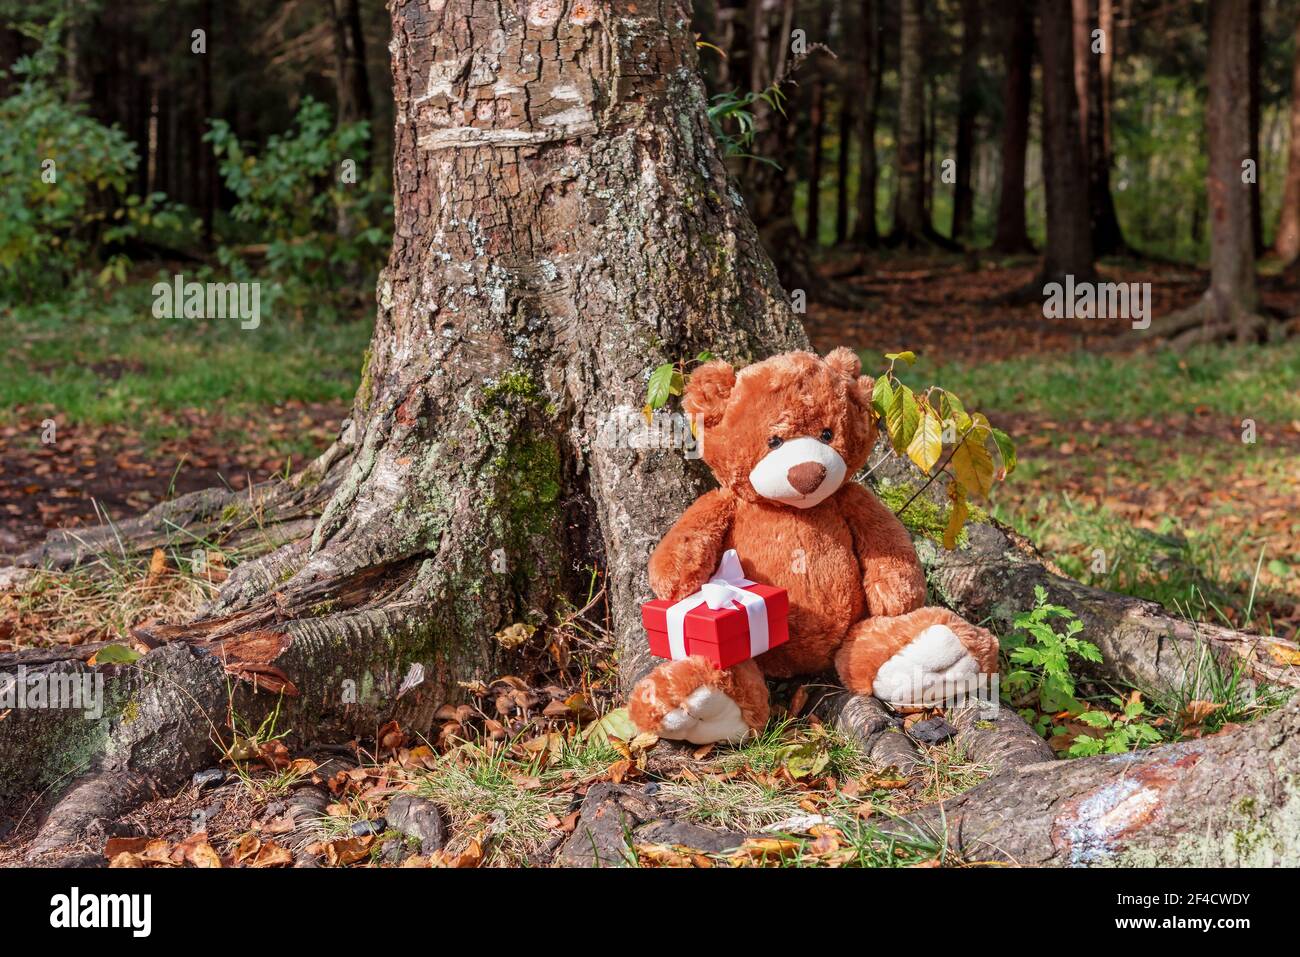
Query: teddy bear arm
x=689, y=553
x=892, y=576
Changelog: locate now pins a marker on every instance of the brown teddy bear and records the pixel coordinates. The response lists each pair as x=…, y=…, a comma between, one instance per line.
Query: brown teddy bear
x=785, y=437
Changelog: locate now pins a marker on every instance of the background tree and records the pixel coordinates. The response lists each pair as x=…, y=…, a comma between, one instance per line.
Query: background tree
x=865, y=230
x=1093, y=59
x=1286, y=242
x=910, y=222
x=1230, y=306
x=1018, y=24
x=1069, y=235
x=963, y=207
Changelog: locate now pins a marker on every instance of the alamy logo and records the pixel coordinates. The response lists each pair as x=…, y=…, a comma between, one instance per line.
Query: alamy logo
x=1098, y=300
x=73, y=910
x=80, y=691
x=179, y=299
x=628, y=428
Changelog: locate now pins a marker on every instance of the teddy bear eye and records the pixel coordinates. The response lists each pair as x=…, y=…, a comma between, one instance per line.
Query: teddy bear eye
x=827, y=435
x=775, y=442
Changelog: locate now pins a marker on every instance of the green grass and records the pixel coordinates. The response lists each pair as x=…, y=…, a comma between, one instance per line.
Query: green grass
x=1247, y=381
x=109, y=361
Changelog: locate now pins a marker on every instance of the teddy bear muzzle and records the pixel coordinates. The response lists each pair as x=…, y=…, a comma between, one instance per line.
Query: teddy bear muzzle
x=802, y=472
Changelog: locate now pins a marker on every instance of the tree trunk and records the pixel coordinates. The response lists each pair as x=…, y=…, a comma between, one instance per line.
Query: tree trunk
x=11, y=46
x=817, y=130
x=1069, y=240
x=1091, y=72
x=909, y=207
x=865, y=231
x=1229, y=307
x=352, y=78
x=963, y=206
x=847, y=122
x=1012, y=235
x=1286, y=243
x=1255, y=94
x=207, y=165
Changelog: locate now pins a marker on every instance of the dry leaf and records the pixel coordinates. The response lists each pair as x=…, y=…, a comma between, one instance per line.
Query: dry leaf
x=348, y=851
x=157, y=567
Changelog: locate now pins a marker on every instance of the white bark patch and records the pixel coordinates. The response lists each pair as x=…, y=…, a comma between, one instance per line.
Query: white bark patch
x=544, y=13
x=462, y=136
x=441, y=75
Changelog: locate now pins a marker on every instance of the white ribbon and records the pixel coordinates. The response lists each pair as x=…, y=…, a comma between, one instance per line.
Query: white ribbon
x=726, y=586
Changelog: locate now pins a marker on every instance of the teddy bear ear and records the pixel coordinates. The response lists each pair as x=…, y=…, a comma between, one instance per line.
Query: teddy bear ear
x=844, y=361
x=708, y=390
x=865, y=386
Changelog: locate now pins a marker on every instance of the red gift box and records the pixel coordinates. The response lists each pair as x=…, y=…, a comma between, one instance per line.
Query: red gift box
x=723, y=634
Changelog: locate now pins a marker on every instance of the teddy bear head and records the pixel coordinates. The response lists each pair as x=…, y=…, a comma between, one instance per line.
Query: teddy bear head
x=789, y=430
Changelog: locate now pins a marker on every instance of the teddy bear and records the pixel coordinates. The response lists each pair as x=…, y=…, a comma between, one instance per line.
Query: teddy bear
x=784, y=438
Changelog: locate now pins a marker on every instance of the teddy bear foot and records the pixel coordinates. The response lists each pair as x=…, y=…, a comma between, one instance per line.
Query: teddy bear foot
x=934, y=661
x=690, y=700
x=921, y=659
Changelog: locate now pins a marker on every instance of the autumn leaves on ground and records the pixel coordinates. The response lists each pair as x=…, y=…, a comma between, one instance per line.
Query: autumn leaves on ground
x=1166, y=475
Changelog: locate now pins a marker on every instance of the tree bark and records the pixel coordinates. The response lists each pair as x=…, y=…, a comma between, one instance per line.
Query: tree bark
x=865, y=231
x=1012, y=235
x=963, y=207
x=1286, y=242
x=1069, y=240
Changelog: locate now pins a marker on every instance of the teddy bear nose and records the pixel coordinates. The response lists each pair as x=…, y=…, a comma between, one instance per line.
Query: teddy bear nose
x=805, y=477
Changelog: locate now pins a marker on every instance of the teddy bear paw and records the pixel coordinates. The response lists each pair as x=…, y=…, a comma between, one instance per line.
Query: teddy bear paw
x=707, y=715
x=934, y=661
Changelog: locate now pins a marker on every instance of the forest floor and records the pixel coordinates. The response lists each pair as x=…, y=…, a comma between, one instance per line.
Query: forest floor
x=1133, y=476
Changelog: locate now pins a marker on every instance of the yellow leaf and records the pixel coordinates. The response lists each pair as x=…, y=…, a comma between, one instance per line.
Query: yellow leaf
x=956, y=516
x=927, y=443
x=973, y=466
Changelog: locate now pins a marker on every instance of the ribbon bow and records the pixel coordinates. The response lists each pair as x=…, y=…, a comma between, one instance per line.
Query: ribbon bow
x=727, y=586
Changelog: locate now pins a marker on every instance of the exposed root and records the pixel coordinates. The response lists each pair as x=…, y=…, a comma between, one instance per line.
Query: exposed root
x=1206, y=321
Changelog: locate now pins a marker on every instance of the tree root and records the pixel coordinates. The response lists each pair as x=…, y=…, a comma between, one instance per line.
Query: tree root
x=1228, y=800
x=264, y=516
x=1203, y=322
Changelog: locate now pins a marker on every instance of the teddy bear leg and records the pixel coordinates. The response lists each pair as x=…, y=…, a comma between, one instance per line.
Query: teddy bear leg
x=690, y=700
x=904, y=660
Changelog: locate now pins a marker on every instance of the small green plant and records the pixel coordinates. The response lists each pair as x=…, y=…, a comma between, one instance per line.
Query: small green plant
x=65, y=180
x=1044, y=655
x=1124, y=731
x=922, y=424
x=667, y=380
x=731, y=115
x=301, y=202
